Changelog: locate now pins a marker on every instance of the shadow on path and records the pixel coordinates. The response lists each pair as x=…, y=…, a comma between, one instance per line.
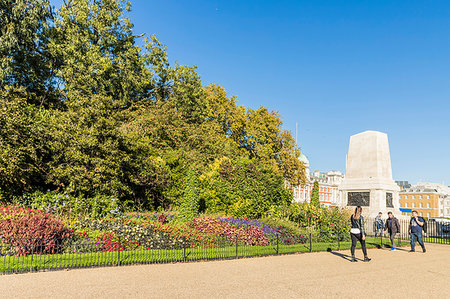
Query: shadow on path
x=344, y=256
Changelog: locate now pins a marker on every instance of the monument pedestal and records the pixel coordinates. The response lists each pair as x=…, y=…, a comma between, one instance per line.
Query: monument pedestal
x=368, y=180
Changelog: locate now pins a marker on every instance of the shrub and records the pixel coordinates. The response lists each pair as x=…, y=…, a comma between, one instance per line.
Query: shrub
x=67, y=205
x=326, y=222
x=28, y=230
x=163, y=217
x=289, y=232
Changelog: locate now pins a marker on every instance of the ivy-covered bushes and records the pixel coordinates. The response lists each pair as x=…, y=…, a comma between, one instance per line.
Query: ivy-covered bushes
x=64, y=204
x=242, y=188
x=324, y=223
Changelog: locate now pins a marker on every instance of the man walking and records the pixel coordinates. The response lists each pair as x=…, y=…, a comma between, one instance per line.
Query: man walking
x=415, y=229
x=393, y=227
x=378, y=225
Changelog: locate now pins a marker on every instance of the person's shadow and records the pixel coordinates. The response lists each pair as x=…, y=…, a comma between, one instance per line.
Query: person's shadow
x=344, y=256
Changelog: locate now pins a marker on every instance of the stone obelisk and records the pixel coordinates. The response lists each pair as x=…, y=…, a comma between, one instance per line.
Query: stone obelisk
x=368, y=179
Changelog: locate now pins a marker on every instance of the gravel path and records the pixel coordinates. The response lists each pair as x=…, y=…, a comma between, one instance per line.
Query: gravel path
x=397, y=274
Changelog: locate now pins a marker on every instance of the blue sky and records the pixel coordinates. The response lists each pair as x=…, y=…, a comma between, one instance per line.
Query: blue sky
x=336, y=68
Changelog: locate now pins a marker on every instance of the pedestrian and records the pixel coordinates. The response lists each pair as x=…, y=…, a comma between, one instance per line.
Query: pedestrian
x=415, y=229
x=378, y=225
x=393, y=228
x=357, y=233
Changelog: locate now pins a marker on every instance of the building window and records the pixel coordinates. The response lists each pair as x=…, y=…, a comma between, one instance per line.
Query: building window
x=428, y=196
x=413, y=205
x=406, y=196
x=421, y=205
x=413, y=197
x=421, y=214
x=420, y=196
x=428, y=215
x=406, y=204
x=428, y=205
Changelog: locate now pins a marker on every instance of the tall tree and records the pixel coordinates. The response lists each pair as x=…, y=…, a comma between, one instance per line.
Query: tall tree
x=24, y=56
x=315, y=200
x=95, y=42
x=24, y=143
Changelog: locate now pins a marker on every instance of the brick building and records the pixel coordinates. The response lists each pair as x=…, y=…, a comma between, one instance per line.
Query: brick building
x=429, y=199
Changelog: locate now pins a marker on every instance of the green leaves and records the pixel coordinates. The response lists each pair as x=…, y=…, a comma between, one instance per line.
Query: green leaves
x=86, y=111
x=24, y=57
x=315, y=200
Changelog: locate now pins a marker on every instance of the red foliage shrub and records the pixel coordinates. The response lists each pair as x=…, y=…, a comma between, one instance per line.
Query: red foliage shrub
x=28, y=230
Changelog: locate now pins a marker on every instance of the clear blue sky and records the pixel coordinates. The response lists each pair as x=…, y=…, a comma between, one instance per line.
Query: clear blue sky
x=336, y=68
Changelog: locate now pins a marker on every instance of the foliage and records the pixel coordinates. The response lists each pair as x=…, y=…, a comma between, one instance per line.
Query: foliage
x=89, y=113
x=242, y=188
x=190, y=206
x=66, y=205
x=323, y=222
x=30, y=230
x=249, y=235
x=25, y=60
x=289, y=232
x=132, y=232
x=315, y=200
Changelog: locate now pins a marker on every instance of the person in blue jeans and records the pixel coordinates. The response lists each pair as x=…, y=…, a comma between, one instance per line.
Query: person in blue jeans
x=415, y=229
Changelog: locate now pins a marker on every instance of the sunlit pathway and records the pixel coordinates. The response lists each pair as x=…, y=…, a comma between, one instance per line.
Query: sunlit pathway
x=312, y=275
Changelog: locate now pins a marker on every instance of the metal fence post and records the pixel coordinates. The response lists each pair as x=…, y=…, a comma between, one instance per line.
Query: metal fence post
x=381, y=239
x=310, y=242
x=118, y=254
x=32, y=248
x=278, y=249
x=184, y=249
x=339, y=241
x=236, y=246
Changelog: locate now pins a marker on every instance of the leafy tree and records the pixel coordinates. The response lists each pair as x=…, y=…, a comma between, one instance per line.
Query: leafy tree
x=24, y=151
x=25, y=60
x=258, y=133
x=95, y=42
x=315, y=195
x=88, y=112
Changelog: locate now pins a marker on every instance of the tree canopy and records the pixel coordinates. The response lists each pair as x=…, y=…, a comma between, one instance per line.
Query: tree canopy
x=87, y=111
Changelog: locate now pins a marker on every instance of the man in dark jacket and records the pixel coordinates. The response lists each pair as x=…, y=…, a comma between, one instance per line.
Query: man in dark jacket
x=393, y=227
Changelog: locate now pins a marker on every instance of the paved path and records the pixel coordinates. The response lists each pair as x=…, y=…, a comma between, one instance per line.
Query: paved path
x=397, y=274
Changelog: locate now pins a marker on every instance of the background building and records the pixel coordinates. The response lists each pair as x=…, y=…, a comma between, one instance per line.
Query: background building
x=431, y=200
x=328, y=186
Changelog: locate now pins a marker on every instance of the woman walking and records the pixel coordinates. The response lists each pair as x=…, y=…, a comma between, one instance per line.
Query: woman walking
x=357, y=233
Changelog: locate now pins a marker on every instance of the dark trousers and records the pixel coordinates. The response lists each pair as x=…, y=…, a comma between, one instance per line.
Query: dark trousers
x=419, y=239
x=355, y=239
x=393, y=239
x=378, y=231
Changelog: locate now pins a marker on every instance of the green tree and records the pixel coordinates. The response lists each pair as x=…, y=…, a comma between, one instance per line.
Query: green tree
x=315, y=195
x=24, y=136
x=25, y=60
x=95, y=42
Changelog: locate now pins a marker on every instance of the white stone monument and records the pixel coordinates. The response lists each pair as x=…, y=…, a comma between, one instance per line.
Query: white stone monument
x=368, y=179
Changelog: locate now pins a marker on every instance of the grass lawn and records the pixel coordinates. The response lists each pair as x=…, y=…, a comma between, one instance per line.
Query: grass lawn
x=14, y=264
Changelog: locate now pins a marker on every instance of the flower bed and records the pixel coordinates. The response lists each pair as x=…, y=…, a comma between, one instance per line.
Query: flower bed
x=284, y=235
x=248, y=235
